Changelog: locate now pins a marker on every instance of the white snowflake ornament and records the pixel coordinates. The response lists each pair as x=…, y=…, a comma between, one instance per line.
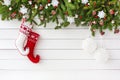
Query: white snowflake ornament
x=101, y=55
x=23, y=10
x=101, y=14
x=84, y=1
x=70, y=19
x=55, y=2
x=7, y=2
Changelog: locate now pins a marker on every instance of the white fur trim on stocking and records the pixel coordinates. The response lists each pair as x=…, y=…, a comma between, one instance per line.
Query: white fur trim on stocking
x=101, y=55
x=89, y=45
x=20, y=42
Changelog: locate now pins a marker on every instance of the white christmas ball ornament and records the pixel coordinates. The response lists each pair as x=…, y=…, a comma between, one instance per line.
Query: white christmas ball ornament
x=7, y=2
x=89, y=45
x=101, y=55
x=84, y=1
x=101, y=14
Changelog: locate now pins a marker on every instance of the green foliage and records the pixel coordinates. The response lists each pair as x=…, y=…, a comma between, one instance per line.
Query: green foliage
x=65, y=9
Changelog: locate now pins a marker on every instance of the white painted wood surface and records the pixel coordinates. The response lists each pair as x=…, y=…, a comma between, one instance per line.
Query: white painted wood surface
x=61, y=53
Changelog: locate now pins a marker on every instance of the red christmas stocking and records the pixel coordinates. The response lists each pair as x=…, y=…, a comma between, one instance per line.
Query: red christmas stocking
x=31, y=42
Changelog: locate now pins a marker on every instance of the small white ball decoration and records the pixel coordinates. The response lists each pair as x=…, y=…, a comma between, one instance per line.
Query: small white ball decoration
x=101, y=55
x=112, y=21
x=88, y=3
x=89, y=45
x=49, y=4
x=69, y=0
x=10, y=8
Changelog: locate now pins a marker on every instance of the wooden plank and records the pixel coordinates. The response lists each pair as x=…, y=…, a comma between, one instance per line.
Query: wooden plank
x=61, y=44
x=58, y=34
x=61, y=75
x=56, y=55
x=9, y=24
x=59, y=65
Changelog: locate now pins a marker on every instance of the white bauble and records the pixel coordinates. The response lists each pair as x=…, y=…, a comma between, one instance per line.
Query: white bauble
x=7, y=2
x=101, y=14
x=101, y=55
x=89, y=45
x=23, y=10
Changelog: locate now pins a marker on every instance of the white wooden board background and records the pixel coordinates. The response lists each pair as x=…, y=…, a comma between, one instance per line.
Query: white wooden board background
x=61, y=53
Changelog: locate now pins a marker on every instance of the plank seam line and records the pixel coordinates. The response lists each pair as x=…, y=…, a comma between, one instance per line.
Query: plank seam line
x=58, y=49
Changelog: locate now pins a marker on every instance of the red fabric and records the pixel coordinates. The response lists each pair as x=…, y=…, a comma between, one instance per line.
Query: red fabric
x=31, y=42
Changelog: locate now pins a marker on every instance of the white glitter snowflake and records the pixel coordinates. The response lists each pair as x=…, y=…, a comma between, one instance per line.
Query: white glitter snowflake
x=101, y=14
x=23, y=10
x=55, y=2
x=7, y=2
